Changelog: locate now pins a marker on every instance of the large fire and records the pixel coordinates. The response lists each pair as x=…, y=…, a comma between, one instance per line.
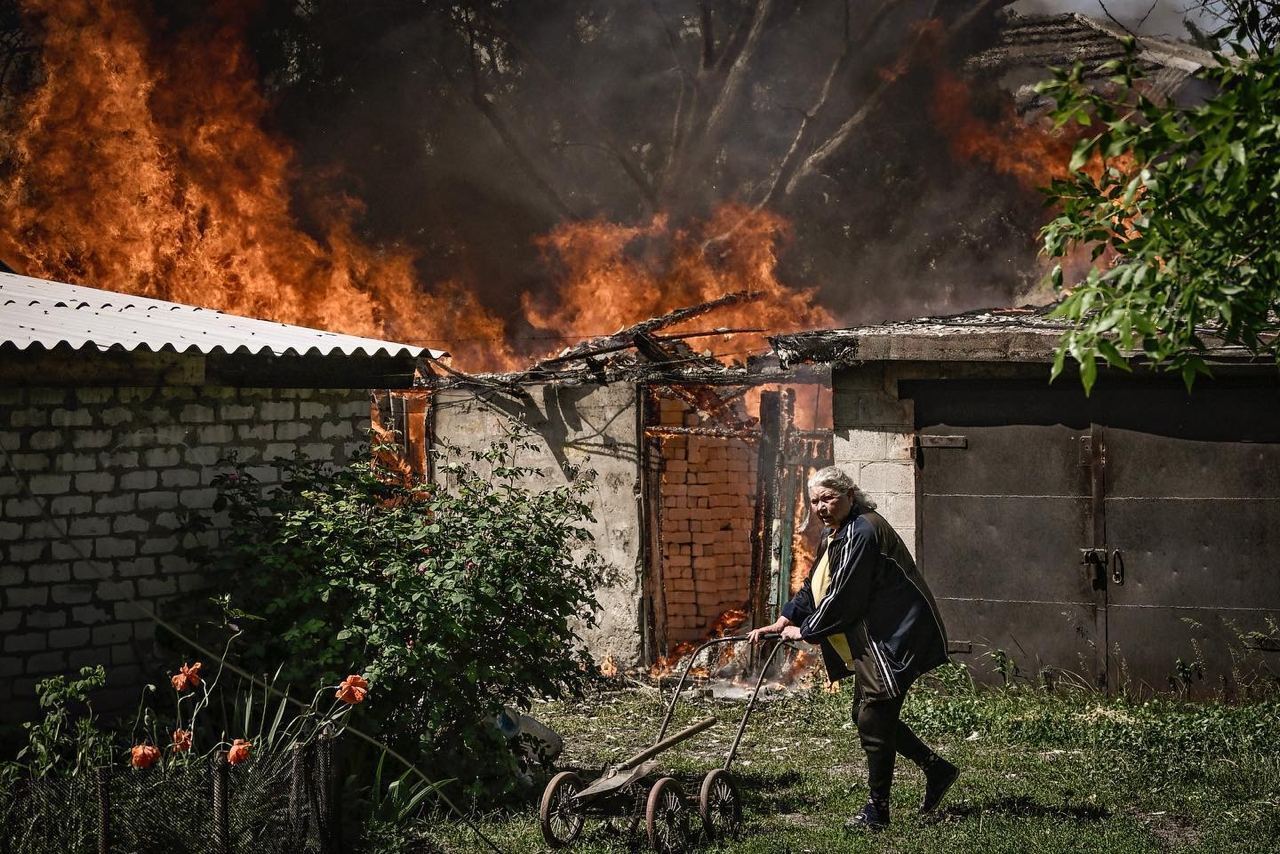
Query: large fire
x=1032, y=152
x=1029, y=152
x=146, y=169
x=615, y=275
x=143, y=166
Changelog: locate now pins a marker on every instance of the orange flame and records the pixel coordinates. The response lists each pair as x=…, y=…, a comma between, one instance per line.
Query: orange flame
x=723, y=626
x=1032, y=154
x=143, y=165
x=615, y=275
x=145, y=168
x=609, y=667
x=801, y=667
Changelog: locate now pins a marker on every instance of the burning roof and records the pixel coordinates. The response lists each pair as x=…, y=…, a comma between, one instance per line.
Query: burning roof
x=645, y=352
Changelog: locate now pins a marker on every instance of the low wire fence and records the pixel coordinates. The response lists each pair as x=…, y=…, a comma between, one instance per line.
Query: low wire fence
x=279, y=803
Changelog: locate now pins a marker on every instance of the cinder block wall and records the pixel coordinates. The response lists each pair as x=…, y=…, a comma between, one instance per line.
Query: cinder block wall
x=708, y=493
x=587, y=428
x=873, y=442
x=110, y=469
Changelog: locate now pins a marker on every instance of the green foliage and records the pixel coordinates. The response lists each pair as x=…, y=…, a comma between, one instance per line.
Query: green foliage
x=1040, y=772
x=67, y=742
x=1191, y=735
x=1180, y=208
x=453, y=601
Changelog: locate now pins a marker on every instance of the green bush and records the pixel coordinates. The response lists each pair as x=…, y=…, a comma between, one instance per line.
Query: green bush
x=67, y=740
x=452, y=601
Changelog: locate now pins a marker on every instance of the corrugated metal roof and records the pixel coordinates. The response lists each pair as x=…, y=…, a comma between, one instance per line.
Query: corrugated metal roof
x=40, y=313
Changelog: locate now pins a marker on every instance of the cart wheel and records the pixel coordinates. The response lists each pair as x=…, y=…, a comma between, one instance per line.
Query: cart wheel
x=666, y=817
x=560, y=813
x=719, y=804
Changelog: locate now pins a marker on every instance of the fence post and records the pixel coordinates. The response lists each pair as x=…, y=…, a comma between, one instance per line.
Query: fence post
x=298, y=795
x=104, y=812
x=324, y=781
x=221, y=824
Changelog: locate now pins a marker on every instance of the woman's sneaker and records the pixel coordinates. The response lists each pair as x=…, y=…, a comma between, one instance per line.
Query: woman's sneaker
x=939, y=774
x=874, y=817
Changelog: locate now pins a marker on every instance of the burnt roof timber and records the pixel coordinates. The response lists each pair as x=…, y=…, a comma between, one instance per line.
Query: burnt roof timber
x=624, y=338
x=761, y=370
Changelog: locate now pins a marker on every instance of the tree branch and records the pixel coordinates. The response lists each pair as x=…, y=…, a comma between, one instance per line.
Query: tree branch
x=708, y=36
x=737, y=71
x=482, y=103
x=834, y=142
x=1116, y=20
x=799, y=142
x=677, y=117
x=736, y=55
x=629, y=166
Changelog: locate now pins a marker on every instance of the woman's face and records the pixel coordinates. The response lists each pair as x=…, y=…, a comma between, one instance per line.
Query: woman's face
x=831, y=505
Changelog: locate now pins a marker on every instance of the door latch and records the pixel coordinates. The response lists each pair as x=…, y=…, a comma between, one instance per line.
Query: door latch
x=1117, y=567
x=1095, y=563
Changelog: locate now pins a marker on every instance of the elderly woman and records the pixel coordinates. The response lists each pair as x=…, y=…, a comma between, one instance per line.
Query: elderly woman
x=867, y=606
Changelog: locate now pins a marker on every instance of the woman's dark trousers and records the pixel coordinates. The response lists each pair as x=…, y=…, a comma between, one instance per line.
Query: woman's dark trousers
x=883, y=735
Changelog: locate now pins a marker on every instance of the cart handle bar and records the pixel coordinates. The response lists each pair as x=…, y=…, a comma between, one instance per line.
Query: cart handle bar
x=666, y=721
x=650, y=752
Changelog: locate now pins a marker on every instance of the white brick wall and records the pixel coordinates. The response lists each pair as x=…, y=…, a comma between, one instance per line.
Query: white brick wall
x=110, y=467
x=874, y=439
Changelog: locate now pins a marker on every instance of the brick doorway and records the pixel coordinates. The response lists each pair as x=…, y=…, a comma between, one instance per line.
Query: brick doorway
x=724, y=504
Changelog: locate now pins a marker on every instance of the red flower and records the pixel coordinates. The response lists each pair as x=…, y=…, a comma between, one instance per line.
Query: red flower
x=352, y=690
x=239, y=751
x=143, y=756
x=186, y=677
x=181, y=740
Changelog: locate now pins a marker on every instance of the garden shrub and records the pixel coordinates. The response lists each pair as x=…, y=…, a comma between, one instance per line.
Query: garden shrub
x=452, y=601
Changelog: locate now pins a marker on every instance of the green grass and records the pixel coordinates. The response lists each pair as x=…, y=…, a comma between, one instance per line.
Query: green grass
x=1040, y=772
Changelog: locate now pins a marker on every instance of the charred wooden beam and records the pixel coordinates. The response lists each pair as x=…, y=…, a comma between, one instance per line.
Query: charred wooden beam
x=625, y=338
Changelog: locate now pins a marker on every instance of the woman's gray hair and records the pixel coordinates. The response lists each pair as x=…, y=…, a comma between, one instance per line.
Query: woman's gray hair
x=833, y=477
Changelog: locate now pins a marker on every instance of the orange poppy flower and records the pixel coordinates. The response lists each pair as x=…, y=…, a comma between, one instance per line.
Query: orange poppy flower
x=143, y=755
x=186, y=677
x=352, y=690
x=239, y=751
x=181, y=740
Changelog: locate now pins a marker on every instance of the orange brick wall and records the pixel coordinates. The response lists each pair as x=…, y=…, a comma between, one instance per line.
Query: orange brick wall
x=708, y=490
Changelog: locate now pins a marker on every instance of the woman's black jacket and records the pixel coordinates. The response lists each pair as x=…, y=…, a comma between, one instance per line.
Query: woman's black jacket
x=878, y=619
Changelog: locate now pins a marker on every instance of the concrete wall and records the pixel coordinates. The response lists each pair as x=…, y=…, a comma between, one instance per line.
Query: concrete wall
x=589, y=427
x=874, y=439
x=110, y=468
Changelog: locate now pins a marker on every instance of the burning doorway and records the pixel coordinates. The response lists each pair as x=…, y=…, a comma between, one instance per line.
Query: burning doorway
x=724, y=472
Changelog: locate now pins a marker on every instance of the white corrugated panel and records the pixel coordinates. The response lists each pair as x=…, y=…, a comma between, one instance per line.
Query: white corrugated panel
x=41, y=313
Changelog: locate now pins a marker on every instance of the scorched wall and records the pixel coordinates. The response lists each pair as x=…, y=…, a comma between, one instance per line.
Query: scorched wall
x=574, y=428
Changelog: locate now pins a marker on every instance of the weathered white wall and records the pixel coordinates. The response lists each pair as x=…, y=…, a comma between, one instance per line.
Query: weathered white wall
x=874, y=438
x=108, y=469
x=585, y=427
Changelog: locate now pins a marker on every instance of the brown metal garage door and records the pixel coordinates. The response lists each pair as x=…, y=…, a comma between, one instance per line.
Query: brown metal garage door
x=1128, y=538
x=1193, y=510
